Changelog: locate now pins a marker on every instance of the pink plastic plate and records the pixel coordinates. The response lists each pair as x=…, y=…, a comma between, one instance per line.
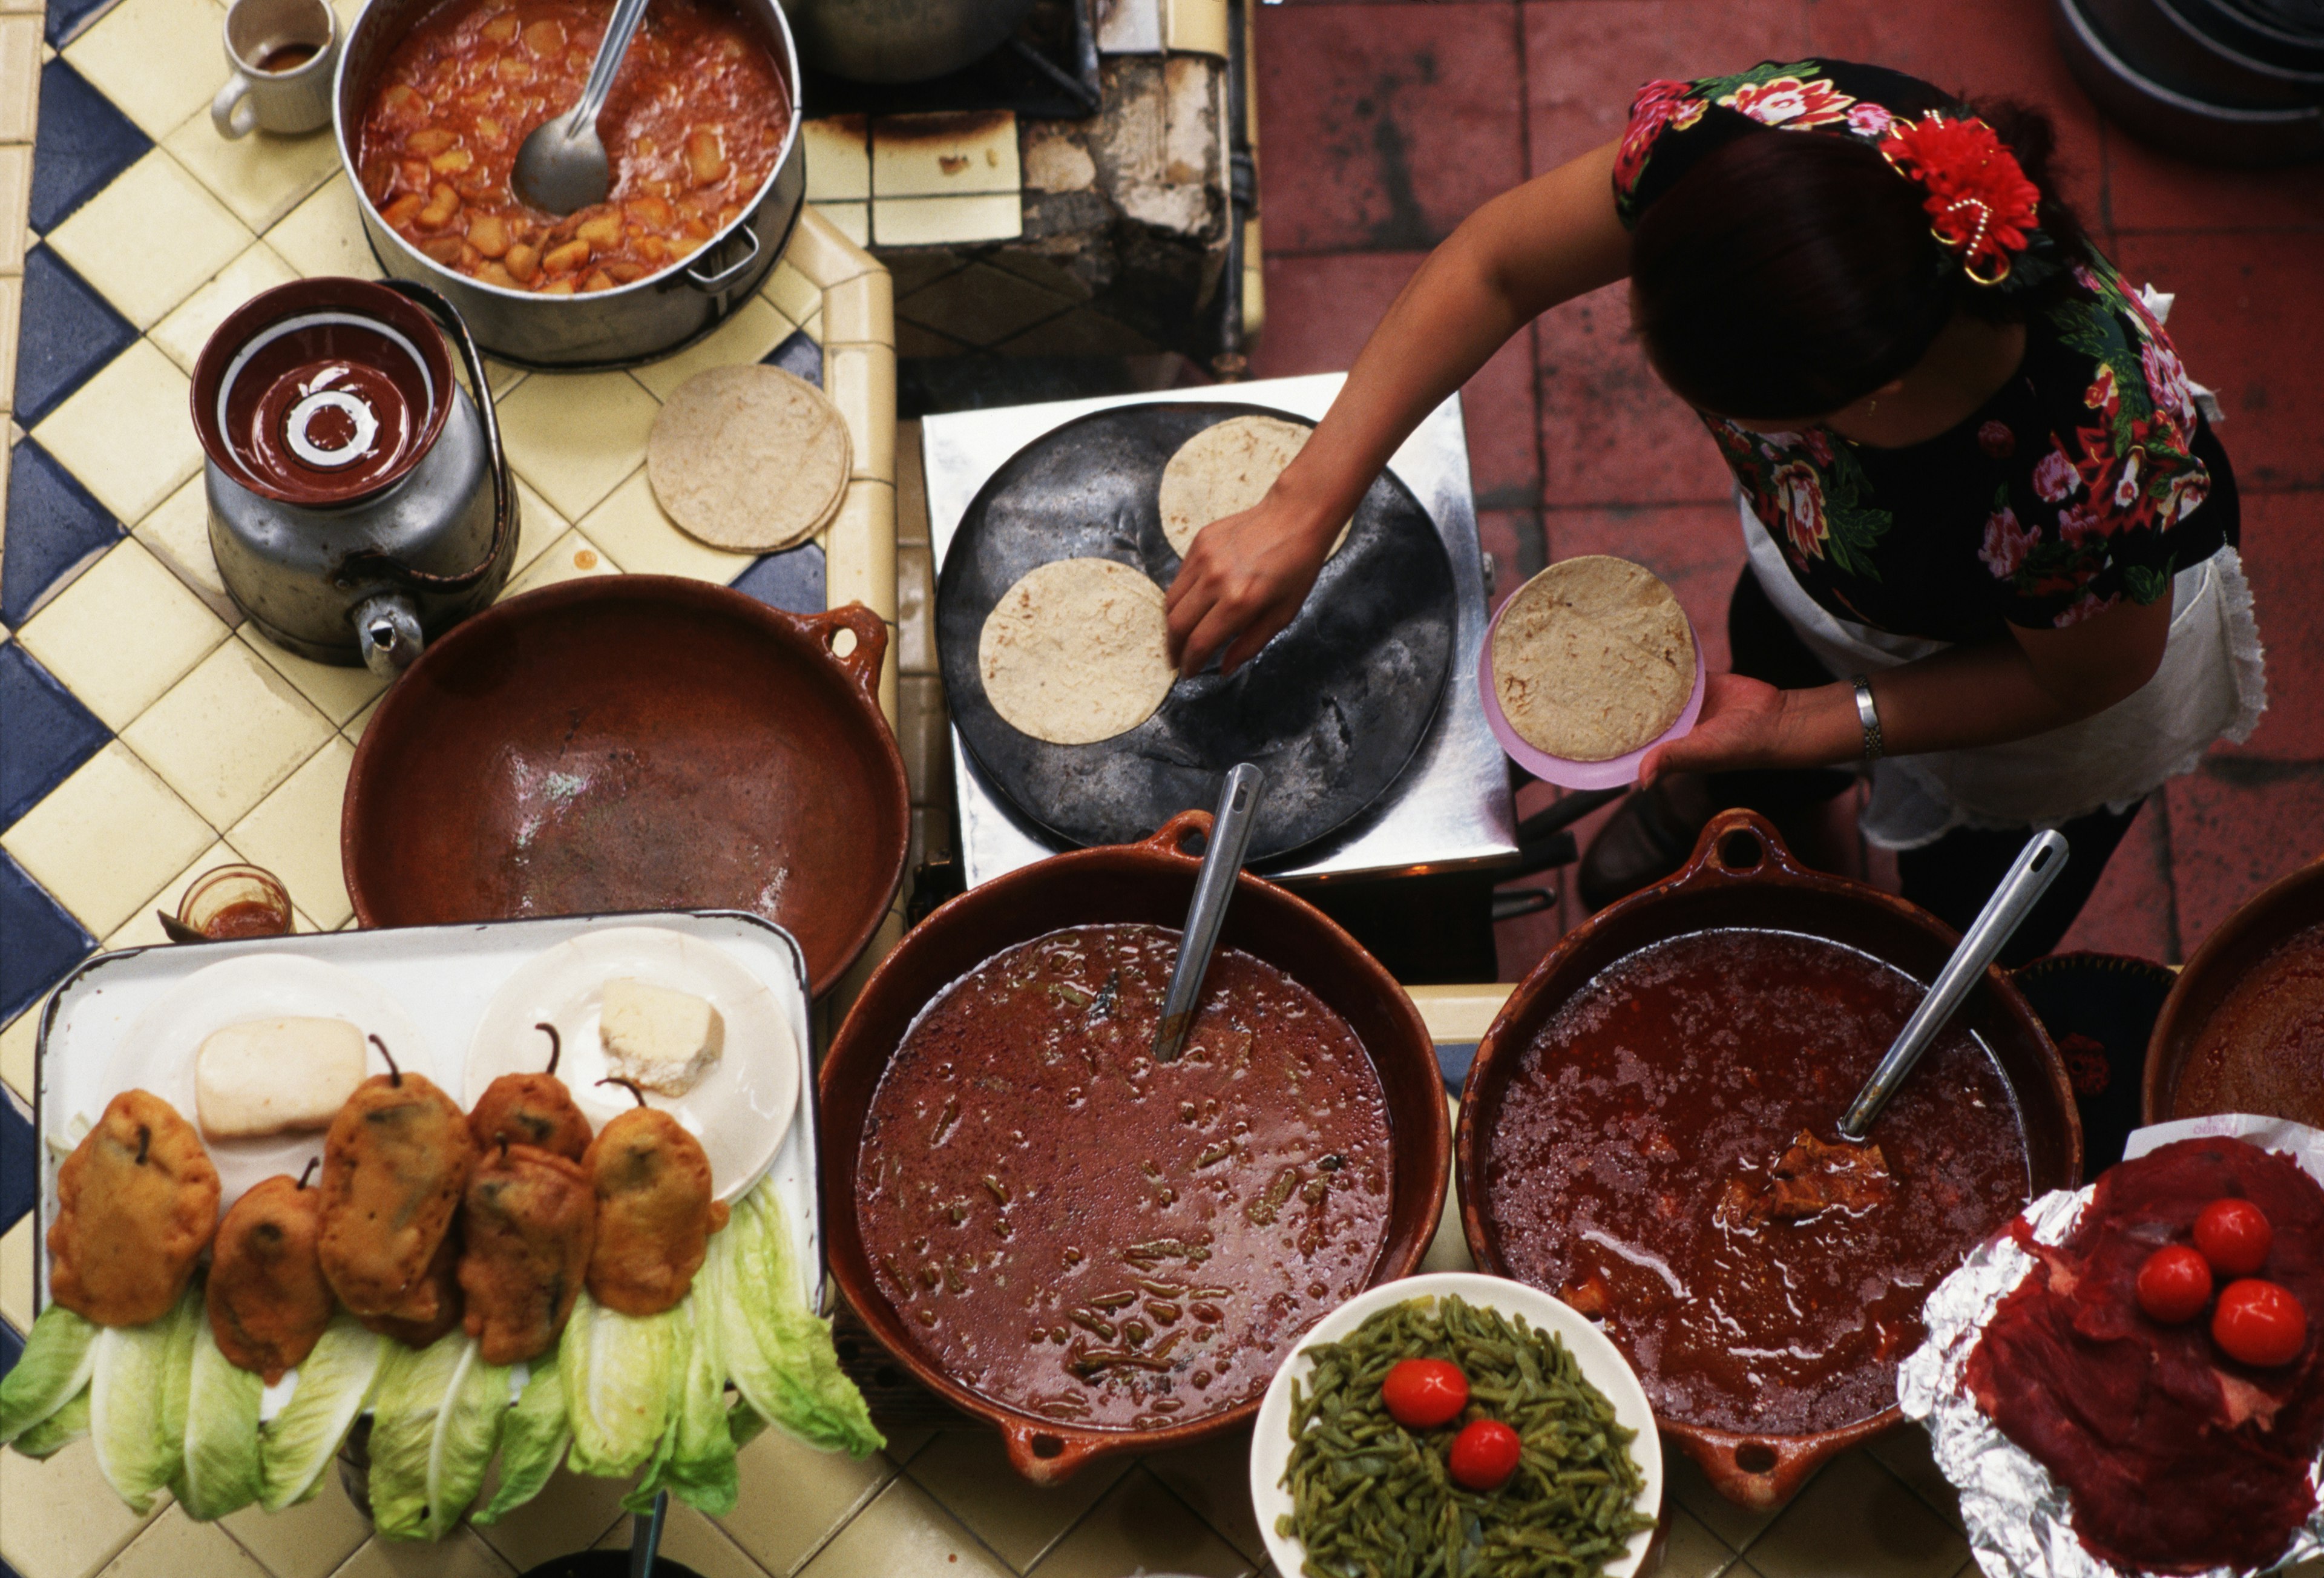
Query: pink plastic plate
x=1579, y=775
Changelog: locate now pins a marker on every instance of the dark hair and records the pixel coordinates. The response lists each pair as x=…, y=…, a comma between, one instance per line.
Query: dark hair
x=1790, y=273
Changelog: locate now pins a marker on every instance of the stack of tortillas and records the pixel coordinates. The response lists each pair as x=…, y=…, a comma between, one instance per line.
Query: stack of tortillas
x=1592, y=658
x=749, y=458
x=1223, y=470
x=1077, y=652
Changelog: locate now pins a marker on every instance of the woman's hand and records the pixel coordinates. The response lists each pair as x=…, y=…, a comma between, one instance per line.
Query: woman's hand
x=1744, y=723
x=1244, y=580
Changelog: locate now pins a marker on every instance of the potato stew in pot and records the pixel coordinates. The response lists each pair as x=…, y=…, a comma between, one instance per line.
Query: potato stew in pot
x=693, y=126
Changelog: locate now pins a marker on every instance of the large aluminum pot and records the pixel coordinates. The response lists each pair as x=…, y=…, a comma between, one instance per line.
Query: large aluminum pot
x=902, y=41
x=626, y=324
x=1741, y=875
x=1150, y=881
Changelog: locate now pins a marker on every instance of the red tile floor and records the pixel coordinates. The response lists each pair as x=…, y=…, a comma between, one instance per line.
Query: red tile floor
x=1382, y=124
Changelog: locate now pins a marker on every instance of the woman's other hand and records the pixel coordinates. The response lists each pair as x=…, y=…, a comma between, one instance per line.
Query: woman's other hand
x=1243, y=579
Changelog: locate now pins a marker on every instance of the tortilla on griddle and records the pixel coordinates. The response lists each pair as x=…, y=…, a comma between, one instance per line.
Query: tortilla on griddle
x=1077, y=652
x=1592, y=658
x=749, y=458
x=1223, y=470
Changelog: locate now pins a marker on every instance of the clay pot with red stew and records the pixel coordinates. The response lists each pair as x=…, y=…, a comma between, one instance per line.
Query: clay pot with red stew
x=2243, y=1030
x=1650, y=1132
x=1092, y=1252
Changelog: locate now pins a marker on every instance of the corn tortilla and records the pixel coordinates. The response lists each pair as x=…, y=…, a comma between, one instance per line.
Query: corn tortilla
x=1592, y=658
x=749, y=458
x=1223, y=470
x=1077, y=652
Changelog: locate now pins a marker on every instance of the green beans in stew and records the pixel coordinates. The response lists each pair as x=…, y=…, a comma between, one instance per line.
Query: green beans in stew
x=1371, y=1498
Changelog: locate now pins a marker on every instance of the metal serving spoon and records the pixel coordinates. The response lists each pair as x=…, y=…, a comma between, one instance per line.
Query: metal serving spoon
x=1215, y=884
x=2030, y=875
x=562, y=165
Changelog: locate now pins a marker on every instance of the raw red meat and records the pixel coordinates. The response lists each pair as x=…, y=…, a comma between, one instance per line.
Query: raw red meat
x=2177, y=1458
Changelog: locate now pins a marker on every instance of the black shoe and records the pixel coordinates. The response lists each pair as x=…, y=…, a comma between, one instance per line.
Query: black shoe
x=1649, y=837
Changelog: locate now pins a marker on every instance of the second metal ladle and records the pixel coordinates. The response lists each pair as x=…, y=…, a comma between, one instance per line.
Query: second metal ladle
x=562, y=164
x=1231, y=826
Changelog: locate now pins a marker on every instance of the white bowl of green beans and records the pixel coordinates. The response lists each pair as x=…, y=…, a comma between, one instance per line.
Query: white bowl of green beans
x=1560, y=1496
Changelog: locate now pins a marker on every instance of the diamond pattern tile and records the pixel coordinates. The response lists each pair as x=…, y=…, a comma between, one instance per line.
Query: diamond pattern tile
x=54, y=528
x=67, y=17
x=68, y=332
x=19, y=1167
x=83, y=142
x=44, y=732
x=791, y=580
x=799, y=356
x=44, y=941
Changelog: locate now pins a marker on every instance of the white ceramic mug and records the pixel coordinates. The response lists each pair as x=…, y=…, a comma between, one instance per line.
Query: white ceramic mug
x=282, y=52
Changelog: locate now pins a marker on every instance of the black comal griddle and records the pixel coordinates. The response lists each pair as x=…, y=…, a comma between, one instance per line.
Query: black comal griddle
x=1332, y=709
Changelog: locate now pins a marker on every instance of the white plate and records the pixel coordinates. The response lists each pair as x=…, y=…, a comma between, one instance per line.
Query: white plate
x=1602, y=1365
x=158, y=1053
x=743, y=1106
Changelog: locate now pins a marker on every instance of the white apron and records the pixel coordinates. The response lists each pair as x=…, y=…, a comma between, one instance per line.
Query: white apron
x=2211, y=686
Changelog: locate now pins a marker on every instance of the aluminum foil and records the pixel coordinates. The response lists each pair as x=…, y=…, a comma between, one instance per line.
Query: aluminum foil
x=2017, y=1516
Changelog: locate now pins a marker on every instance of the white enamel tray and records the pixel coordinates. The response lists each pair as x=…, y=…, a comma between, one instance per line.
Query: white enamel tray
x=441, y=980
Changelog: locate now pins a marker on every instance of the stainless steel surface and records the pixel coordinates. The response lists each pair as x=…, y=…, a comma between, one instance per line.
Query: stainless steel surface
x=1214, y=886
x=902, y=41
x=561, y=164
x=1451, y=808
x=618, y=327
x=2037, y=865
x=388, y=628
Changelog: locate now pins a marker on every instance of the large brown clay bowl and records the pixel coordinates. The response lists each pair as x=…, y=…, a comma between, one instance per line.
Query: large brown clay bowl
x=2286, y=906
x=1742, y=875
x=626, y=742
x=1149, y=882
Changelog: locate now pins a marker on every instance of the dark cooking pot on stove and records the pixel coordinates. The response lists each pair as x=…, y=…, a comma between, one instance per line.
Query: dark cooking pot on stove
x=359, y=503
x=628, y=324
x=1150, y=881
x=1741, y=875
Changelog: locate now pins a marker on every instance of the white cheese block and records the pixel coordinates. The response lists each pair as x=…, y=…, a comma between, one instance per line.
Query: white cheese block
x=661, y=1039
x=275, y=1076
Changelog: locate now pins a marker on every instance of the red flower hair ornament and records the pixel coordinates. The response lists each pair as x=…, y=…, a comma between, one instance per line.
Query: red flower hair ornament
x=1979, y=202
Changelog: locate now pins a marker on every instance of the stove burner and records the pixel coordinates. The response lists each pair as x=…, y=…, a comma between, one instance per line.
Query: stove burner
x=330, y=429
x=1047, y=69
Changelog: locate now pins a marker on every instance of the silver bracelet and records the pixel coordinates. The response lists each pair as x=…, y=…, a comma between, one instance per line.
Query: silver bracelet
x=1869, y=716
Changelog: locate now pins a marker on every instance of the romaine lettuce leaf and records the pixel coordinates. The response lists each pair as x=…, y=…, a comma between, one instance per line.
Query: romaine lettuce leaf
x=59, y=1430
x=620, y=1380
x=295, y=1448
x=436, y=1421
x=221, y=1461
x=532, y=1441
x=60, y=1352
x=778, y=1352
x=137, y=1402
x=695, y=1459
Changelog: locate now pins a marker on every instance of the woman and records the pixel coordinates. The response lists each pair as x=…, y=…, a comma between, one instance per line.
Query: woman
x=1991, y=536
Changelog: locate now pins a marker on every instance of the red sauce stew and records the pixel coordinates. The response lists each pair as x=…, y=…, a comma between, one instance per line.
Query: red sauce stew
x=2177, y=1458
x=693, y=126
x=1682, y=1074
x=1076, y=1231
x=2264, y=1050
x=247, y=918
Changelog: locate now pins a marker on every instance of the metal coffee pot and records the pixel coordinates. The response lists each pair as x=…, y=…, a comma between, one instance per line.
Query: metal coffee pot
x=359, y=501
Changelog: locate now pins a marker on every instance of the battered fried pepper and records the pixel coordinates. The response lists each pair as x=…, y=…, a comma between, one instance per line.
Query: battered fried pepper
x=137, y=1201
x=266, y=1296
x=531, y=1221
x=437, y=1291
x=531, y=1109
x=395, y=1164
x=655, y=1214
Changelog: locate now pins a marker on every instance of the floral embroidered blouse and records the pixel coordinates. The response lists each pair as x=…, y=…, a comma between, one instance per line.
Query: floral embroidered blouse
x=2087, y=479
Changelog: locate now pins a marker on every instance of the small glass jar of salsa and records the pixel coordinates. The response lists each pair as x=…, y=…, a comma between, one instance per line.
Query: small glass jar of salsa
x=692, y=128
x=236, y=902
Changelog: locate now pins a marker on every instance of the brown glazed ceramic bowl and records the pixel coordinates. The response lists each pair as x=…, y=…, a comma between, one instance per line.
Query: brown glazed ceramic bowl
x=2288, y=905
x=1150, y=881
x=624, y=743
x=1741, y=875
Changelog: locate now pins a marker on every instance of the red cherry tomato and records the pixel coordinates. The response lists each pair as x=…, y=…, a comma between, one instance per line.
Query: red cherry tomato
x=2234, y=1235
x=1484, y=1454
x=2174, y=1285
x=1423, y=1393
x=2260, y=1322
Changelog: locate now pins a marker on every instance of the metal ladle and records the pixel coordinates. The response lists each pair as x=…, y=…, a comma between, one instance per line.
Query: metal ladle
x=1215, y=884
x=562, y=165
x=2037, y=865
